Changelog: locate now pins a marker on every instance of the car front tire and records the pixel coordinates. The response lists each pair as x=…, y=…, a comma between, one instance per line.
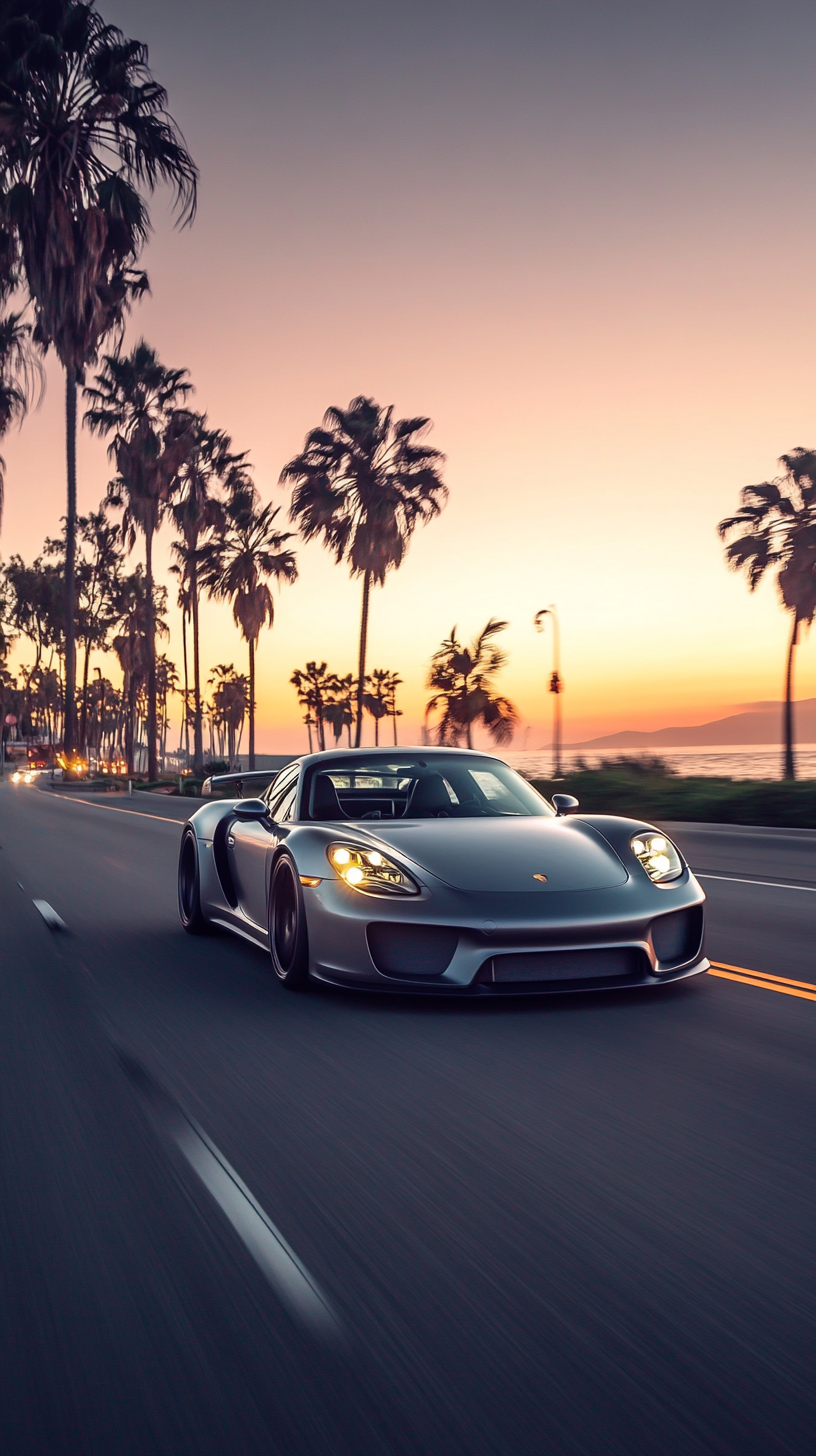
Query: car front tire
x=189, y=886
x=288, y=942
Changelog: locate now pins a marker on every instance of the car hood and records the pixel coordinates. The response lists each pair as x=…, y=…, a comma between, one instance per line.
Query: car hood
x=483, y=855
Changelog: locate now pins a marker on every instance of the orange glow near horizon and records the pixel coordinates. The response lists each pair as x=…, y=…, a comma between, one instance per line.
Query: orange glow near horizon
x=586, y=286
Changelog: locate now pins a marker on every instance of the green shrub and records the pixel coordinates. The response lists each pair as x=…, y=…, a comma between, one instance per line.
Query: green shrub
x=636, y=791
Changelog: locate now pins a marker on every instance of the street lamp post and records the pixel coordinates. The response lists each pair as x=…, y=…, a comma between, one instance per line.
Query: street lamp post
x=556, y=683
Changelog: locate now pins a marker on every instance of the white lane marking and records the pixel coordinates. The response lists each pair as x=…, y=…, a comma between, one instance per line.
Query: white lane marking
x=49, y=915
x=292, y=1282
x=769, y=884
x=112, y=809
x=289, y=1278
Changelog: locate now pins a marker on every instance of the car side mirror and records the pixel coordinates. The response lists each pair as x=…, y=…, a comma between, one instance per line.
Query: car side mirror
x=251, y=809
x=564, y=804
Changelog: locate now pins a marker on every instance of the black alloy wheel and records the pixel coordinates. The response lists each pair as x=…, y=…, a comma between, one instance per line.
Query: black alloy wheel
x=189, y=886
x=288, y=943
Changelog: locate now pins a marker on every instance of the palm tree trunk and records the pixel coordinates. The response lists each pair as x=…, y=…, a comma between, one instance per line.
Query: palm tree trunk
x=130, y=714
x=184, y=733
x=251, y=704
x=362, y=660
x=69, y=727
x=83, y=722
x=469, y=737
x=152, y=757
x=198, y=735
x=790, y=766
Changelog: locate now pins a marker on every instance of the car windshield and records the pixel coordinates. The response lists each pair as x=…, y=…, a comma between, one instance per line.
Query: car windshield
x=450, y=785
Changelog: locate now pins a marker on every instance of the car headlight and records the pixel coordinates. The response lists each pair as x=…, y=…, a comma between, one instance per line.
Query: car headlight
x=658, y=856
x=15, y=778
x=368, y=870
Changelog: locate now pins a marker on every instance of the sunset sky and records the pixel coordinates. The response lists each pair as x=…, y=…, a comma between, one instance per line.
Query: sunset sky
x=579, y=236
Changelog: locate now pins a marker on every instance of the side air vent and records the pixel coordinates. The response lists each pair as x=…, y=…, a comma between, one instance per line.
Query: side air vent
x=676, y=937
x=222, y=864
x=412, y=951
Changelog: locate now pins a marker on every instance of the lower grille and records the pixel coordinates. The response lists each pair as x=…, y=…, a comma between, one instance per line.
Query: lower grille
x=412, y=950
x=566, y=965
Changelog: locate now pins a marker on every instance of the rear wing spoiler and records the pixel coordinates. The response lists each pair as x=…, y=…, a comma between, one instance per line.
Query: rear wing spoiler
x=233, y=783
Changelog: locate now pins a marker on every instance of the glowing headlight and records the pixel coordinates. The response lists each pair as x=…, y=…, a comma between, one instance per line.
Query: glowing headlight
x=658, y=856
x=368, y=870
x=15, y=778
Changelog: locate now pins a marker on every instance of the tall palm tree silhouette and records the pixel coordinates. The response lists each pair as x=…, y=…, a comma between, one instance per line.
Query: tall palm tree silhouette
x=318, y=689
x=84, y=134
x=249, y=552
x=777, y=525
x=463, y=679
x=98, y=571
x=380, y=700
x=20, y=374
x=208, y=474
x=363, y=482
x=135, y=399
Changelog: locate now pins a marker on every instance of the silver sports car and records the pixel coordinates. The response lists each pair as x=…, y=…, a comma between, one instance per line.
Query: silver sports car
x=436, y=870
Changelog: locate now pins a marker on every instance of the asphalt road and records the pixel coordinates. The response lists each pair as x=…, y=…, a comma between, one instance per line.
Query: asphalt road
x=540, y=1226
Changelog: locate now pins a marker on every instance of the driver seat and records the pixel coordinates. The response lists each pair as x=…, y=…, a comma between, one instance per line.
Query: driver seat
x=429, y=798
x=325, y=803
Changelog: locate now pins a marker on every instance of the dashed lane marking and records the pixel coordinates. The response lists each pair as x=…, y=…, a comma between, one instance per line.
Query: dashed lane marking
x=49, y=915
x=290, y=1279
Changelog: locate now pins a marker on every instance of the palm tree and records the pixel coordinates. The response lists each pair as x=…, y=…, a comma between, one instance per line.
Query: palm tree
x=338, y=710
x=208, y=474
x=313, y=685
x=228, y=707
x=249, y=552
x=20, y=375
x=84, y=134
x=166, y=683
x=97, y=581
x=135, y=399
x=465, y=693
x=380, y=701
x=130, y=646
x=362, y=483
x=777, y=525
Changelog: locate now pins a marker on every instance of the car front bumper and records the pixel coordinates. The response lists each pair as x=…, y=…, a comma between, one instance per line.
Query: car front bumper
x=493, y=927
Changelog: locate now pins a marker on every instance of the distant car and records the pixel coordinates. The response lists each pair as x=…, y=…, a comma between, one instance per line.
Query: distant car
x=437, y=870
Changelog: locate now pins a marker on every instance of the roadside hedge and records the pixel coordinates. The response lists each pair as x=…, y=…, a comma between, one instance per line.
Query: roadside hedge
x=652, y=795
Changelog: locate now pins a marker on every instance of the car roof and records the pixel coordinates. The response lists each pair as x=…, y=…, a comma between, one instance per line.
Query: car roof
x=389, y=755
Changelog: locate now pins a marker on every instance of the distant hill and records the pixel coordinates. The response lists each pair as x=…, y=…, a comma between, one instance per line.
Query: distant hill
x=762, y=725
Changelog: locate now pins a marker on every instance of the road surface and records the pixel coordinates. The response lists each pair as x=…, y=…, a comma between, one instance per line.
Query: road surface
x=563, y=1225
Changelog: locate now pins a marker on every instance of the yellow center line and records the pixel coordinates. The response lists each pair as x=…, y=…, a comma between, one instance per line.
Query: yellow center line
x=765, y=976
x=751, y=980
x=112, y=809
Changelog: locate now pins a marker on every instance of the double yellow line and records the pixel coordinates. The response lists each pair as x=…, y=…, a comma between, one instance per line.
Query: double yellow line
x=805, y=989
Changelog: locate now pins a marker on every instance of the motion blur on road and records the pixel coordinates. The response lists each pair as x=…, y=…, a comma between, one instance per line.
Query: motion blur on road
x=567, y=1224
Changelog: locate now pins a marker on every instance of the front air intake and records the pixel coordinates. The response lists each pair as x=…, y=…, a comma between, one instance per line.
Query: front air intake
x=677, y=937
x=412, y=951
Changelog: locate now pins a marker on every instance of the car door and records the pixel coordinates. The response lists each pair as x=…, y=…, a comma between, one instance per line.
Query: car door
x=249, y=843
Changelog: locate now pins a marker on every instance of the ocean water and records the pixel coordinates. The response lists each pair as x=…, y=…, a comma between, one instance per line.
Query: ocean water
x=758, y=761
